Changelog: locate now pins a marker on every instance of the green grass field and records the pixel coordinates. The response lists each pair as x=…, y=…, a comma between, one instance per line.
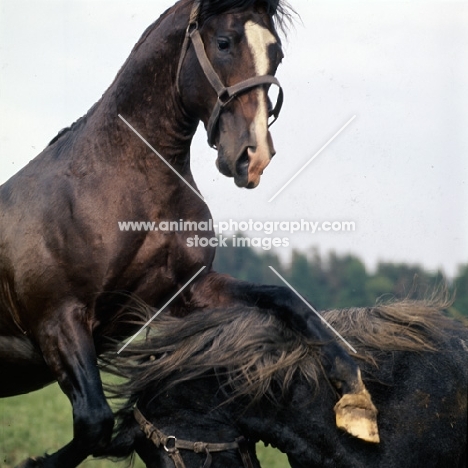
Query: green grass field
x=41, y=422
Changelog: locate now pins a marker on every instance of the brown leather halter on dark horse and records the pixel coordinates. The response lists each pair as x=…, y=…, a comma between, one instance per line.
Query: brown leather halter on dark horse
x=172, y=445
x=225, y=94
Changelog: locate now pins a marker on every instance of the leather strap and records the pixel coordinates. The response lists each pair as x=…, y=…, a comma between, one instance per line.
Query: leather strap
x=225, y=94
x=205, y=63
x=244, y=452
x=172, y=445
x=194, y=12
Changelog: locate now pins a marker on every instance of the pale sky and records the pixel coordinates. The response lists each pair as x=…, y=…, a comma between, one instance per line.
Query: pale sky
x=399, y=171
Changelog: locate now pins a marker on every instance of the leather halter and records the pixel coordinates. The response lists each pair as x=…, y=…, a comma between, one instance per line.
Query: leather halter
x=225, y=94
x=172, y=445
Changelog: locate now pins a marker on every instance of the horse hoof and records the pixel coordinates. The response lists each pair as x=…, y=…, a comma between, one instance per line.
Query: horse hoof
x=31, y=463
x=357, y=415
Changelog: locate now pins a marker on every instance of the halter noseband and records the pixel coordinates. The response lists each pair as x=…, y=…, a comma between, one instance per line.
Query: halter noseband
x=172, y=445
x=225, y=94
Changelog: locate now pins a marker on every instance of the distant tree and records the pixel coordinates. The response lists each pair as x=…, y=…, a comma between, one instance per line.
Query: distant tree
x=246, y=263
x=318, y=285
x=461, y=291
x=348, y=276
x=378, y=286
x=300, y=272
x=307, y=277
x=409, y=281
x=337, y=281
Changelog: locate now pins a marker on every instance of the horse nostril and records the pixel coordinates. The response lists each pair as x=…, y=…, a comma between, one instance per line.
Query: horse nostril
x=242, y=164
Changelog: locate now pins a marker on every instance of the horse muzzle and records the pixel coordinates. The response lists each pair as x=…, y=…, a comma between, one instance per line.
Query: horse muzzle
x=250, y=166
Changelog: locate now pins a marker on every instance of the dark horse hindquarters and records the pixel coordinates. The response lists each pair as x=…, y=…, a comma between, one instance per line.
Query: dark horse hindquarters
x=63, y=259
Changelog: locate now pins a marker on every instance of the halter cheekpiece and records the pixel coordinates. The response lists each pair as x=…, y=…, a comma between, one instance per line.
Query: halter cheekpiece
x=225, y=94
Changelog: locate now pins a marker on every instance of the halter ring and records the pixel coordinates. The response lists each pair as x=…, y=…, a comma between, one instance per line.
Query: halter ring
x=170, y=449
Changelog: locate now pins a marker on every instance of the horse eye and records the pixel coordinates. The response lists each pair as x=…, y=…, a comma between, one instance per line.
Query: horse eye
x=223, y=44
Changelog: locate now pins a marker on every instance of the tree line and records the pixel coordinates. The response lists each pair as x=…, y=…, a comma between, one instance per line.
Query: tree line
x=338, y=281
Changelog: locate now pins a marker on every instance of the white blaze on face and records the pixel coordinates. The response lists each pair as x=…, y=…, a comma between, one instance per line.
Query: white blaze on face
x=259, y=39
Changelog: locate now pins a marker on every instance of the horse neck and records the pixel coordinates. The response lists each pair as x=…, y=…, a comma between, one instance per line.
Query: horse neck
x=144, y=94
x=290, y=423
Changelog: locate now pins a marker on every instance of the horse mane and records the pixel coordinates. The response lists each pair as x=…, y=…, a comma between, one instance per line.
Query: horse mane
x=404, y=325
x=245, y=348
x=254, y=354
x=279, y=10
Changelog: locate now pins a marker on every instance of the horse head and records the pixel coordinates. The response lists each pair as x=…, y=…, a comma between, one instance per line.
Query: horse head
x=230, y=54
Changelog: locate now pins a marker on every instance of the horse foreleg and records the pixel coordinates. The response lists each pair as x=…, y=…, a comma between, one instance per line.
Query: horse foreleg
x=67, y=345
x=355, y=412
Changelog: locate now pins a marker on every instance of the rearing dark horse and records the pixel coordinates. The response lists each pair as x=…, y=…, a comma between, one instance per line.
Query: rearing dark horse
x=62, y=255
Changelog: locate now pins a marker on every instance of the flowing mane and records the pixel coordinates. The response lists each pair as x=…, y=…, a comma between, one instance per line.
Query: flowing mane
x=254, y=353
x=279, y=10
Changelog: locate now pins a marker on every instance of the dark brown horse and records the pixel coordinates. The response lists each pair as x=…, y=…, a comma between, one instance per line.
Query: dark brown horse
x=63, y=259
x=215, y=376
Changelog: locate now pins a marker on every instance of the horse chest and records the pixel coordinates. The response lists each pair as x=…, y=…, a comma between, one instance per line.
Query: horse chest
x=163, y=261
